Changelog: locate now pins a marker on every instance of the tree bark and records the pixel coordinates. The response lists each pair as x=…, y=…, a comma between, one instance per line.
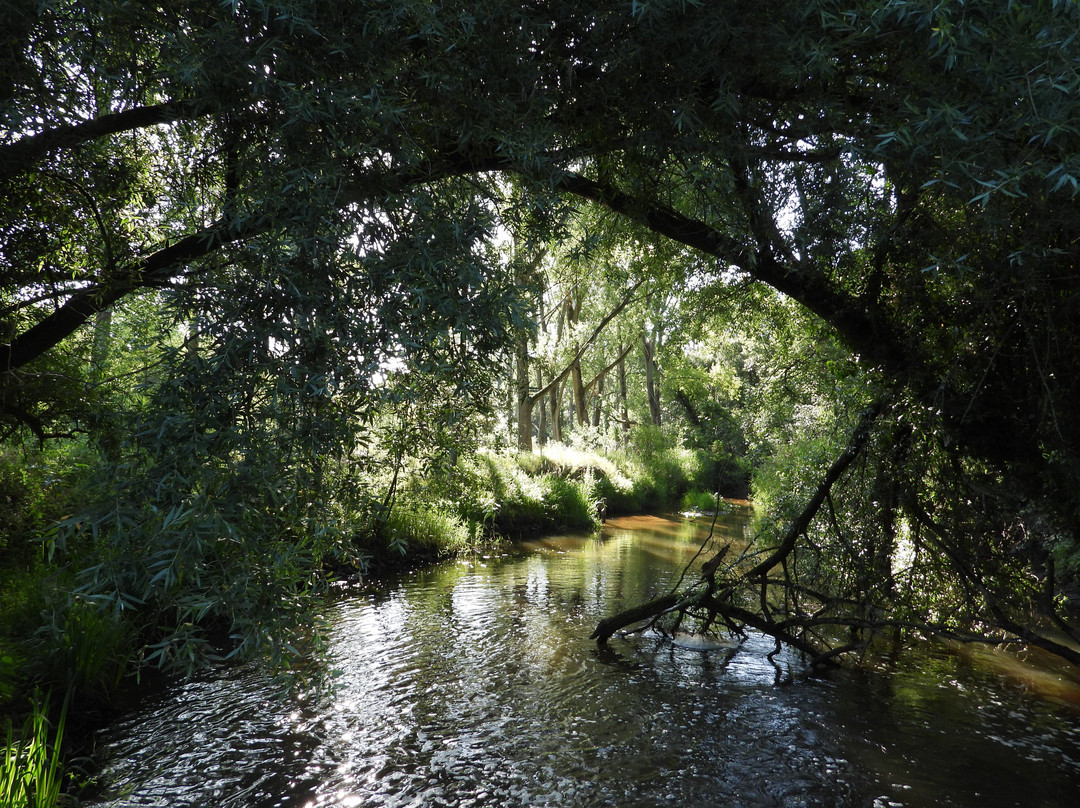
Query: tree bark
x=624, y=411
x=21, y=155
x=801, y=522
x=542, y=427
x=609, y=625
x=651, y=374
x=862, y=324
x=556, y=410
x=598, y=402
x=525, y=401
x=724, y=604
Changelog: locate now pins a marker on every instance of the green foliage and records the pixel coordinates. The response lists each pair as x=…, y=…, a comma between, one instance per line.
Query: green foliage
x=37, y=487
x=663, y=471
x=84, y=647
x=524, y=494
x=259, y=291
x=12, y=665
x=31, y=772
x=699, y=501
x=499, y=494
x=436, y=531
x=784, y=481
x=570, y=503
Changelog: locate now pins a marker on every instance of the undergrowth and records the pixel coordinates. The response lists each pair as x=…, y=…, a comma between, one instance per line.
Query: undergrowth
x=31, y=772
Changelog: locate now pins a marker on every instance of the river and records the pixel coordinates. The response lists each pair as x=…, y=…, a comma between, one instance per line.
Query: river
x=475, y=684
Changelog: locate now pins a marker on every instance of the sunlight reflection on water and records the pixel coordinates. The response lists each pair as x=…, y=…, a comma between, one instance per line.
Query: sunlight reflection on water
x=475, y=684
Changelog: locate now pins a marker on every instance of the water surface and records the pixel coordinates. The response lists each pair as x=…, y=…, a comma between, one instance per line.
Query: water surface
x=475, y=684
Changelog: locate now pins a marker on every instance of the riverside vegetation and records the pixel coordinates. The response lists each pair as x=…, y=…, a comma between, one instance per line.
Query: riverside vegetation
x=287, y=286
x=94, y=649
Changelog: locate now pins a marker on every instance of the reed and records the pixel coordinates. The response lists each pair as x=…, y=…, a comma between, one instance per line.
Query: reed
x=31, y=773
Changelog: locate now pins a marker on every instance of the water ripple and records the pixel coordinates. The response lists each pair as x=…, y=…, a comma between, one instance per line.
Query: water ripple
x=476, y=685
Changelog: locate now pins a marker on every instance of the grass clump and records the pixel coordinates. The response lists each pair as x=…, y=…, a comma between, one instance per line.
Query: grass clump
x=31, y=774
x=698, y=501
x=510, y=495
x=432, y=529
x=661, y=473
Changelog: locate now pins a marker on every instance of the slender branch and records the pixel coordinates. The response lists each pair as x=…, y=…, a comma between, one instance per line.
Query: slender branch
x=611, y=315
x=143, y=273
x=865, y=328
x=1001, y=618
x=622, y=355
x=157, y=268
x=801, y=522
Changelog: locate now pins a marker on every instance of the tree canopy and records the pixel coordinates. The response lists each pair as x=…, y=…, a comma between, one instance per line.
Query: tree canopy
x=313, y=194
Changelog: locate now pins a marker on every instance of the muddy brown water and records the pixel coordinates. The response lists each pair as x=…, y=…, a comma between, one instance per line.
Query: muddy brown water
x=475, y=684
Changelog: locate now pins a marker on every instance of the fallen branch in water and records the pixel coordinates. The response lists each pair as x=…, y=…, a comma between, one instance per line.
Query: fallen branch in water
x=654, y=608
x=718, y=598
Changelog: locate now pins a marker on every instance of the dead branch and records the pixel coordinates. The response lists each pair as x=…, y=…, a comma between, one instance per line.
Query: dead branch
x=654, y=608
x=722, y=603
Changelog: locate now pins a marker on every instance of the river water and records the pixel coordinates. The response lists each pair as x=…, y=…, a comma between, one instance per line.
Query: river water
x=475, y=684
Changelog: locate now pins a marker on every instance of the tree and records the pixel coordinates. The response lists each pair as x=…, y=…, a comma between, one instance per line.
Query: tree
x=906, y=171
x=528, y=401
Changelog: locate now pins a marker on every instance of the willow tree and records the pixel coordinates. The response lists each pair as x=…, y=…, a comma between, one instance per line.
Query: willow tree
x=912, y=182
x=237, y=169
x=311, y=185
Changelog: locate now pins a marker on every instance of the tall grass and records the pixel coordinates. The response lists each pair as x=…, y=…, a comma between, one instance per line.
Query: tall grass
x=701, y=501
x=432, y=527
x=30, y=769
x=493, y=495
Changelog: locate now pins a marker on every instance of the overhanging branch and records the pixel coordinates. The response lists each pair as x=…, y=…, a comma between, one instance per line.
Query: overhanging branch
x=21, y=155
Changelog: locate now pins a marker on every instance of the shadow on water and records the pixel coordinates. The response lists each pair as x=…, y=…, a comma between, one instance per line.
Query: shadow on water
x=475, y=684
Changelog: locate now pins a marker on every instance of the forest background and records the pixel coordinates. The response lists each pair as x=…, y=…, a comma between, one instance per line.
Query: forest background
x=291, y=289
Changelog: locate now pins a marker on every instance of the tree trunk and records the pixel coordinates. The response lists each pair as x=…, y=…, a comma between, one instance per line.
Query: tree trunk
x=554, y=386
x=581, y=414
x=624, y=413
x=524, y=272
x=556, y=412
x=525, y=401
x=577, y=385
x=542, y=427
x=652, y=373
x=597, y=408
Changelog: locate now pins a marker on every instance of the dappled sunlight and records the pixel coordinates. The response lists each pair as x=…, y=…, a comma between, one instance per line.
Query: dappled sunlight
x=295, y=295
